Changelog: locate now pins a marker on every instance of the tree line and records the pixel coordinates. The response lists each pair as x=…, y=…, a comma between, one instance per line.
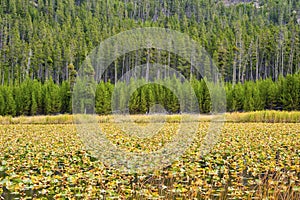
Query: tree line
x=32, y=97
x=39, y=39
x=43, y=44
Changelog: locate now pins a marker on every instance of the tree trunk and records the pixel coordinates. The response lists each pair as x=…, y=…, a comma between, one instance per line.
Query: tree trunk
x=240, y=63
x=234, y=70
x=127, y=69
x=251, y=61
x=276, y=66
x=123, y=66
x=191, y=68
x=257, y=61
x=262, y=64
x=116, y=71
x=67, y=71
x=281, y=43
x=147, y=65
x=291, y=58
x=158, y=61
x=136, y=63
x=169, y=64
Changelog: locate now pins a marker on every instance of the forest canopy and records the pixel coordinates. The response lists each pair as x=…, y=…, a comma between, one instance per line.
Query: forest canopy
x=41, y=38
x=44, y=42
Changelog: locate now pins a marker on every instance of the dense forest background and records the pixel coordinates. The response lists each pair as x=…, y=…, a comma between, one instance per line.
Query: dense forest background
x=43, y=43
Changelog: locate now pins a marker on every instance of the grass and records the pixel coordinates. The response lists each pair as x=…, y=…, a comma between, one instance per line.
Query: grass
x=268, y=116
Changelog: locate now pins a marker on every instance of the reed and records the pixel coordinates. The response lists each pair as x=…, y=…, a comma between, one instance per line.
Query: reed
x=268, y=116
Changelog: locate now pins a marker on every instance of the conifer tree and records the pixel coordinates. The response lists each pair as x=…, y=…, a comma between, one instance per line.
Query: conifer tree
x=65, y=96
x=2, y=103
x=10, y=106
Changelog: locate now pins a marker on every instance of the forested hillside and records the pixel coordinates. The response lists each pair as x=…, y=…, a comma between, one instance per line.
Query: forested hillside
x=41, y=38
x=45, y=41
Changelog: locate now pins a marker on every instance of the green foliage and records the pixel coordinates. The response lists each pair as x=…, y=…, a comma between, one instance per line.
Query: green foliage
x=103, y=98
x=35, y=98
x=2, y=104
x=38, y=45
x=290, y=95
x=10, y=106
x=41, y=54
x=65, y=95
x=52, y=97
x=205, y=103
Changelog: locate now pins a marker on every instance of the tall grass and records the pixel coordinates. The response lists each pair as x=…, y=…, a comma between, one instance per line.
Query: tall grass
x=58, y=119
x=269, y=116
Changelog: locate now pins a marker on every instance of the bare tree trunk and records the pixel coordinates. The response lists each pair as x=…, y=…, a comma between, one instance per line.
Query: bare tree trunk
x=136, y=63
x=262, y=64
x=240, y=62
x=239, y=45
x=266, y=70
x=134, y=10
x=116, y=71
x=244, y=64
x=282, y=61
x=127, y=69
x=191, y=68
x=57, y=75
x=29, y=62
x=147, y=66
x=237, y=57
x=158, y=61
x=280, y=41
x=234, y=71
x=169, y=64
x=276, y=65
x=250, y=60
x=147, y=9
x=291, y=58
x=123, y=66
x=257, y=61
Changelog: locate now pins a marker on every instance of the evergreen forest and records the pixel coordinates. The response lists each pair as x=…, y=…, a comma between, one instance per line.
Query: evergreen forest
x=254, y=44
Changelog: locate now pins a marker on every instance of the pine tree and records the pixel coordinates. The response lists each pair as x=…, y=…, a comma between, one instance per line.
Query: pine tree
x=134, y=103
x=290, y=95
x=65, y=96
x=248, y=104
x=34, y=105
x=10, y=106
x=72, y=75
x=2, y=103
x=149, y=96
x=142, y=101
x=205, y=102
x=273, y=96
x=46, y=99
x=55, y=97
x=256, y=96
x=90, y=86
x=238, y=98
x=26, y=97
x=18, y=100
x=101, y=98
